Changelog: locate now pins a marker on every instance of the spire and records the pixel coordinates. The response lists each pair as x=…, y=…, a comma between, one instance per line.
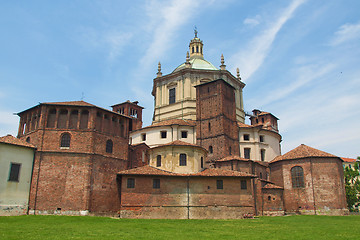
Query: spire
x=196, y=47
x=222, y=66
x=238, y=73
x=159, y=73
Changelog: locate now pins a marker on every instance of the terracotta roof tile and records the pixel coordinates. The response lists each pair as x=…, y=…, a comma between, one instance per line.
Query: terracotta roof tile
x=271, y=186
x=231, y=158
x=302, y=151
x=349, y=160
x=174, y=122
x=240, y=124
x=71, y=103
x=212, y=172
x=9, y=139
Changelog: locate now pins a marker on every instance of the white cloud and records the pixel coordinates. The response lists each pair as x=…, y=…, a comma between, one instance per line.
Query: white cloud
x=251, y=58
x=346, y=32
x=252, y=22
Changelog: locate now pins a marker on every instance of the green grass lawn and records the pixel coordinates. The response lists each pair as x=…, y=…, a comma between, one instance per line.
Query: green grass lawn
x=289, y=227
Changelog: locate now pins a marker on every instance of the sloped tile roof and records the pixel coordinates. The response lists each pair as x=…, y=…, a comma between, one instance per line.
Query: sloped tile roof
x=349, y=160
x=272, y=186
x=302, y=151
x=71, y=103
x=174, y=122
x=211, y=172
x=243, y=125
x=231, y=158
x=9, y=139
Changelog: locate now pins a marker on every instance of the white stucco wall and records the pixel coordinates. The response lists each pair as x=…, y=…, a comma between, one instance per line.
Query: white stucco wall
x=14, y=196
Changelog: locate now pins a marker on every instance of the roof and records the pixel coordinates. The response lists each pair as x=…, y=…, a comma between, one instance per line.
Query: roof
x=128, y=102
x=302, y=151
x=9, y=139
x=271, y=186
x=197, y=63
x=240, y=124
x=210, y=172
x=179, y=143
x=231, y=158
x=349, y=160
x=170, y=123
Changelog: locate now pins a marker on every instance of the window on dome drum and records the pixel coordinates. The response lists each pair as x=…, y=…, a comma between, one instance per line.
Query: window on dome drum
x=156, y=183
x=246, y=137
x=109, y=146
x=158, y=161
x=131, y=183
x=143, y=137
x=243, y=184
x=14, y=172
x=247, y=153
x=219, y=184
x=210, y=149
x=262, y=153
x=262, y=138
x=65, y=140
x=182, y=159
x=202, y=162
x=184, y=134
x=163, y=134
x=171, y=95
x=297, y=177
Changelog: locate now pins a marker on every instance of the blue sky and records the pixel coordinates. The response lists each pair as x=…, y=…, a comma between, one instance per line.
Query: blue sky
x=300, y=59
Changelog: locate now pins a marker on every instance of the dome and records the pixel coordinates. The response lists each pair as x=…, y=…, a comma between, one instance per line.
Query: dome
x=197, y=63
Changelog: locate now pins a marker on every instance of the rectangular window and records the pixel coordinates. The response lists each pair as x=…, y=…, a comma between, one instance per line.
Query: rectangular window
x=143, y=137
x=130, y=183
x=246, y=137
x=262, y=152
x=163, y=134
x=158, y=161
x=247, y=153
x=156, y=183
x=243, y=184
x=171, y=95
x=262, y=138
x=14, y=172
x=182, y=159
x=184, y=134
x=219, y=184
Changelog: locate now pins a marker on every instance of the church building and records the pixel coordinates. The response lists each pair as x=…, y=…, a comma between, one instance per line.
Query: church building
x=198, y=159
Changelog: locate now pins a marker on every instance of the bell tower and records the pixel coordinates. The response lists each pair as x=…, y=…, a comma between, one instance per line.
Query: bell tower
x=196, y=47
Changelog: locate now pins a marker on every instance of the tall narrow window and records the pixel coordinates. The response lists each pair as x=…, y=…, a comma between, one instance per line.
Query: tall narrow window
x=182, y=159
x=14, y=172
x=156, y=183
x=229, y=150
x=297, y=177
x=262, y=153
x=247, y=153
x=209, y=127
x=219, y=184
x=202, y=162
x=210, y=149
x=262, y=138
x=158, y=161
x=171, y=95
x=109, y=146
x=28, y=139
x=243, y=184
x=143, y=137
x=65, y=140
x=130, y=183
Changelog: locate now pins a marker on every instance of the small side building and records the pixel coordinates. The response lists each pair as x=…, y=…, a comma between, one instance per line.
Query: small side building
x=16, y=165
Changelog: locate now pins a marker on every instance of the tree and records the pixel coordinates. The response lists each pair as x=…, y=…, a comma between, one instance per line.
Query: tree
x=352, y=185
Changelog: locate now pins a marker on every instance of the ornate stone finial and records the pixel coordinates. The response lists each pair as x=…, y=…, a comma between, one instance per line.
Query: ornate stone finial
x=238, y=73
x=222, y=66
x=187, y=63
x=187, y=56
x=159, y=73
x=195, y=31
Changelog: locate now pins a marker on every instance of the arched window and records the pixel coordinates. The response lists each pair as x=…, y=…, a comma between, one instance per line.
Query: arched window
x=65, y=140
x=109, y=146
x=158, y=161
x=210, y=149
x=182, y=159
x=28, y=139
x=209, y=126
x=192, y=49
x=297, y=177
x=197, y=49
